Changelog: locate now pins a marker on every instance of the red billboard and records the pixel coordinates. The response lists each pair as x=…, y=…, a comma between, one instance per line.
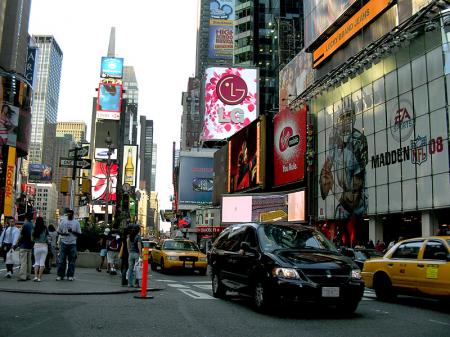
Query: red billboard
x=99, y=182
x=246, y=157
x=289, y=146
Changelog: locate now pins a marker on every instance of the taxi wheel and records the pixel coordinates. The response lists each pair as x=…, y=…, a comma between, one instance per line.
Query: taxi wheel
x=161, y=265
x=153, y=265
x=202, y=271
x=383, y=287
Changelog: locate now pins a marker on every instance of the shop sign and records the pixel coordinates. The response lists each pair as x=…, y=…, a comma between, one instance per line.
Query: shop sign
x=9, y=183
x=209, y=229
x=365, y=15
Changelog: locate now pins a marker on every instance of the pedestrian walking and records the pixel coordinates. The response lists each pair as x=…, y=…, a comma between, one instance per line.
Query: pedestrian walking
x=52, y=246
x=69, y=229
x=113, y=247
x=134, y=245
x=123, y=256
x=8, y=242
x=39, y=235
x=103, y=249
x=26, y=245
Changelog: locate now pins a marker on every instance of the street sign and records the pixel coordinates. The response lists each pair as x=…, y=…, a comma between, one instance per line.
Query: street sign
x=81, y=163
x=82, y=152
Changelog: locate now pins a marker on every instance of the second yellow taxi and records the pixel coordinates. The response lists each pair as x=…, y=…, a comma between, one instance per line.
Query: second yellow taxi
x=178, y=254
x=419, y=266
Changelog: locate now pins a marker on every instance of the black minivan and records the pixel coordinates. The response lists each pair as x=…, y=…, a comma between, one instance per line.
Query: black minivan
x=283, y=261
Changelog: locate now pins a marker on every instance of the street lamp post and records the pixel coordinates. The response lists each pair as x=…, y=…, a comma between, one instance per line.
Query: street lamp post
x=108, y=142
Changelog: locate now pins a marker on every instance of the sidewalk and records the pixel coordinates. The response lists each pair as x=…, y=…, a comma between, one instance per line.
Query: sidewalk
x=87, y=282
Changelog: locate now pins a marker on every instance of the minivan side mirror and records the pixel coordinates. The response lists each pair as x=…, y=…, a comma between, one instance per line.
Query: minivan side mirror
x=245, y=246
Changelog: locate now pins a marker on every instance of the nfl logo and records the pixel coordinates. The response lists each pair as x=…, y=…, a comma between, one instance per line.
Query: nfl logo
x=419, y=150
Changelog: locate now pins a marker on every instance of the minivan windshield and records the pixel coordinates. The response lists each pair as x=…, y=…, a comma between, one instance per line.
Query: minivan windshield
x=277, y=236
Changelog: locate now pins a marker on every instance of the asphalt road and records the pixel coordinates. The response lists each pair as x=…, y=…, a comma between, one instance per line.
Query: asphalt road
x=186, y=308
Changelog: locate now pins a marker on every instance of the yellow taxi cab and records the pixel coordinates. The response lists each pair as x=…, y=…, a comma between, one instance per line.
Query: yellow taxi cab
x=178, y=254
x=419, y=266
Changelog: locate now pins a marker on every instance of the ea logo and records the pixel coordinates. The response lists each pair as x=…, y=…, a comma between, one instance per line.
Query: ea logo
x=231, y=89
x=402, y=124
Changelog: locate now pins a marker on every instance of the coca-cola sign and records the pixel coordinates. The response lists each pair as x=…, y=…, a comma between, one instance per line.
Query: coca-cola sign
x=289, y=146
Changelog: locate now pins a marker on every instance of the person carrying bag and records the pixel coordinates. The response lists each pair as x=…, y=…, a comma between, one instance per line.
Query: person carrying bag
x=9, y=239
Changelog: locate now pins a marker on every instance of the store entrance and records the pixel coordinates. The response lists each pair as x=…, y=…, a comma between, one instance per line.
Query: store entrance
x=406, y=225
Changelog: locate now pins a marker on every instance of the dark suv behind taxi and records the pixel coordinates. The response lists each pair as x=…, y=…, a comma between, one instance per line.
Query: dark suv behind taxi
x=273, y=261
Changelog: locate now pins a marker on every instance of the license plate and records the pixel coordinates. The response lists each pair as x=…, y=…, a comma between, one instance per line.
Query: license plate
x=330, y=292
x=188, y=265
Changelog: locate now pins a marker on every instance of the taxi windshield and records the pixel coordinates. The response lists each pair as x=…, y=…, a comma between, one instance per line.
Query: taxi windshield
x=274, y=237
x=180, y=245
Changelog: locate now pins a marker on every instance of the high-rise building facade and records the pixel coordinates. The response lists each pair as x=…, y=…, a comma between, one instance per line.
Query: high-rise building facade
x=46, y=96
x=77, y=129
x=14, y=18
x=268, y=34
x=131, y=100
x=154, y=162
x=62, y=145
x=191, y=119
x=146, y=153
x=45, y=202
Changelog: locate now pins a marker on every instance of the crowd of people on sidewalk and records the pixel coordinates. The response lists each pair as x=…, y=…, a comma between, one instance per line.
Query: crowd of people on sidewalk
x=122, y=253
x=34, y=248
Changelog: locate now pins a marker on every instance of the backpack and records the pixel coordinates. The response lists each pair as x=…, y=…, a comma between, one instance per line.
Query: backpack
x=114, y=245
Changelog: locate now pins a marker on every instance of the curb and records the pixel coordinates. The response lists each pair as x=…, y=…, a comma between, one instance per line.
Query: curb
x=43, y=292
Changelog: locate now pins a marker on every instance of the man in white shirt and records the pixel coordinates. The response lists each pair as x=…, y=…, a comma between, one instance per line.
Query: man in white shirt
x=69, y=230
x=8, y=241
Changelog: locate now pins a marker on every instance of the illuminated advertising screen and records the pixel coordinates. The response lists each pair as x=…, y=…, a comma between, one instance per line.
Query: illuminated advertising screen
x=220, y=173
x=264, y=207
x=101, y=153
x=196, y=180
x=9, y=198
x=129, y=165
x=321, y=14
x=39, y=173
x=221, y=21
x=289, y=146
x=231, y=101
x=9, y=122
x=245, y=161
x=109, y=101
x=112, y=67
x=102, y=128
x=295, y=78
x=99, y=182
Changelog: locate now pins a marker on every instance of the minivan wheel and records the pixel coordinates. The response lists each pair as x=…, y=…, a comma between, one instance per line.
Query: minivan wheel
x=218, y=289
x=261, y=298
x=383, y=288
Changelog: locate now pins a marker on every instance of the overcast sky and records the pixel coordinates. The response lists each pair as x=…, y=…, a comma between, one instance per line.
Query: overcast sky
x=156, y=37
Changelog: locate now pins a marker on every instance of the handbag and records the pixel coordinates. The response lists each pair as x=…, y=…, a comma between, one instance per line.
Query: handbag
x=12, y=257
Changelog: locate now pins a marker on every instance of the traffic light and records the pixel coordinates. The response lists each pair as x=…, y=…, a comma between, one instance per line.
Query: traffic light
x=65, y=183
x=85, y=186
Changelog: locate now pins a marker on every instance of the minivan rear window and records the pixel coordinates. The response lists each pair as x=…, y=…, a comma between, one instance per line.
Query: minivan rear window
x=275, y=236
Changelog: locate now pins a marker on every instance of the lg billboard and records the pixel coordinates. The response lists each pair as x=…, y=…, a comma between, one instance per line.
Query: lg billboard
x=231, y=101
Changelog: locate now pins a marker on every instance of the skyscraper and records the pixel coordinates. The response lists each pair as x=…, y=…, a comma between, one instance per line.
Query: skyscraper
x=46, y=96
x=75, y=128
x=146, y=154
x=131, y=100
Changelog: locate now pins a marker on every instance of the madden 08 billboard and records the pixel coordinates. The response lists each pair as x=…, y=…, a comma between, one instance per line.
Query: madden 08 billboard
x=231, y=101
x=112, y=67
x=196, y=180
x=109, y=101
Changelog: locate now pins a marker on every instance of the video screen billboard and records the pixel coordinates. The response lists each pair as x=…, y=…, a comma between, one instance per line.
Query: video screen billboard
x=111, y=67
x=295, y=78
x=9, y=122
x=196, y=180
x=246, y=158
x=221, y=22
x=99, y=182
x=109, y=101
x=129, y=165
x=231, y=101
x=289, y=146
x=101, y=153
x=320, y=14
x=39, y=173
x=102, y=127
x=264, y=207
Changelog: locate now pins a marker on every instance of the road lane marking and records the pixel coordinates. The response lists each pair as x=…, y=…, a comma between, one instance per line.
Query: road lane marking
x=196, y=282
x=203, y=286
x=177, y=285
x=196, y=295
x=439, y=322
x=164, y=280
